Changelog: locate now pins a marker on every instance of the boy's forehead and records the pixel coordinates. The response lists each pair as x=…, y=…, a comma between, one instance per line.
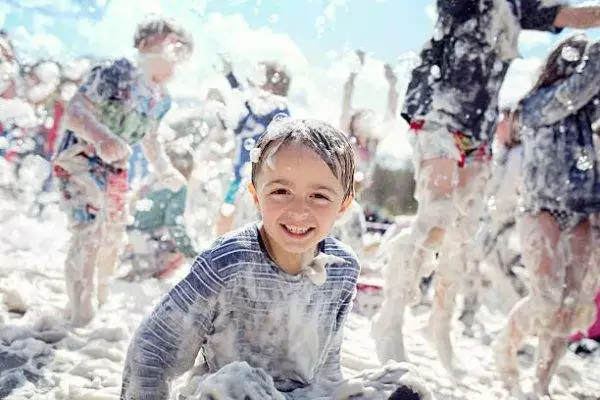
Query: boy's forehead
x=298, y=165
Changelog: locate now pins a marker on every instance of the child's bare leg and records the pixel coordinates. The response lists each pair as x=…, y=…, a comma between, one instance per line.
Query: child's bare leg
x=116, y=213
x=555, y=330
x=448, y=280
x=452, y=267
x=84, y=203
x=80, y=267
x=437, y=180
x=539, y=237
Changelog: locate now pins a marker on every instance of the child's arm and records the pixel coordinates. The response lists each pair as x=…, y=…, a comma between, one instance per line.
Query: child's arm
x=157, y=157
x=549, y=105
x=228, y=71
x=392, y=100
x=174, y=221
x=81, y=115
x=348, y=93
x=167, y=343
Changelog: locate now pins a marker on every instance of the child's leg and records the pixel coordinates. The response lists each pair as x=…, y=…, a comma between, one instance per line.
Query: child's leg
x=83, y=200
x=451, y=274
x=539, y=237
x=116, y=210
x=554, y=330
x=408, y=251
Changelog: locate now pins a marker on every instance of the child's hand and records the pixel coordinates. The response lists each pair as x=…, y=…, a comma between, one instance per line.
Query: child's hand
x=172, y=179
x=113, y=150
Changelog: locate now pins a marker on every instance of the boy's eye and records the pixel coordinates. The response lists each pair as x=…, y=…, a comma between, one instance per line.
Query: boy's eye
x=320, y=196
x=279, y=192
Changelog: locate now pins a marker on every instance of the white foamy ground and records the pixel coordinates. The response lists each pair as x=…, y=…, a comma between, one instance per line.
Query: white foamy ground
x=50, y=362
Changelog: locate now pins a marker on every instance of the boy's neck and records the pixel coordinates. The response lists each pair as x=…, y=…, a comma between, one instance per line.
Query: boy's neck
x=290, y=263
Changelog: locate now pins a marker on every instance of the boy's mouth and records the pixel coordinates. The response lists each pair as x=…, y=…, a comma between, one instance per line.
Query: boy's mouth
x=297, y=232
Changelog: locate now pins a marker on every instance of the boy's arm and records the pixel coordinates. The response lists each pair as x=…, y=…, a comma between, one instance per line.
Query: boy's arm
x=347, y=101
x=175, y=223
x=157, y=157
x=331, y=371
x=551, y=105
x=167, y=343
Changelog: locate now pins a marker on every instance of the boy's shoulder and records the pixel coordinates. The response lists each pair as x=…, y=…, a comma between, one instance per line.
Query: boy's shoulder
x=332, y=246
x=234, y=251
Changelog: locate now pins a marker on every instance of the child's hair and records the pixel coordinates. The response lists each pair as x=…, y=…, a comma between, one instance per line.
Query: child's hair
x=182, y=159
x=329, y=143
x=156, y=26
x=562, y=61
x=277, y=76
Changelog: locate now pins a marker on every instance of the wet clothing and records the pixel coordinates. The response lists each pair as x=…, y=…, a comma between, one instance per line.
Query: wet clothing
x=561, y=174
x=258, y=114
x=162, y=208
x=128, y=106
x=236, y=304
x=463, y=65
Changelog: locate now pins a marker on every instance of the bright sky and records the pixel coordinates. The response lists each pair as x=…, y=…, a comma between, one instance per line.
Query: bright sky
x=311, y=36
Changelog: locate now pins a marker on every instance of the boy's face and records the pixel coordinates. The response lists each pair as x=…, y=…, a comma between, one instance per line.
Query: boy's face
x=299, y=199
x=163, y=54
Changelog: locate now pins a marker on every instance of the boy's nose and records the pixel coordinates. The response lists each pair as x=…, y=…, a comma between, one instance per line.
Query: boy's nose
x=298, y=210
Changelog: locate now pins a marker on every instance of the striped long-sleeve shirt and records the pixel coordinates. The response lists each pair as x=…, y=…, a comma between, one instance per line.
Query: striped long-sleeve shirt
x=237, y=305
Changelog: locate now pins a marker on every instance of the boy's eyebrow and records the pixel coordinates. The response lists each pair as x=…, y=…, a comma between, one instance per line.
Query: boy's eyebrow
x=317, y=186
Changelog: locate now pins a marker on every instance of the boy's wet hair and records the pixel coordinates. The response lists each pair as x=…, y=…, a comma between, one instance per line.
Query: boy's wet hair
x=161, y=27
x=277, y=76
x=329, y=143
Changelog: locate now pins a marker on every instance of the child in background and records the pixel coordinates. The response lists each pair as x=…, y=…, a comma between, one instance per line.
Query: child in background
x=560, y=195
x=267, y=302
x=118, y=105
x=266, y=100
x=158, y=238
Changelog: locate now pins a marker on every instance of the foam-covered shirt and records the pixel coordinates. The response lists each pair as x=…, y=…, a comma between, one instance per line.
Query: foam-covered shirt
x=236, y=304
x=125, y=102
x=463, y=65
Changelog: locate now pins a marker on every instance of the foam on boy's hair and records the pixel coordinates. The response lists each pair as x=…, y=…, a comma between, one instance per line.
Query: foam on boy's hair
x=155, y=26
x=327, y=141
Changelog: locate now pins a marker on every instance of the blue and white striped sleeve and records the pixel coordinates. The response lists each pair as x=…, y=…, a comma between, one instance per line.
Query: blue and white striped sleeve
x=167, y=342
x=331, y=371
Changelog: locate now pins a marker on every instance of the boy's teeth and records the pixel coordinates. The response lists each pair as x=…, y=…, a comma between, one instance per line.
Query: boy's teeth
x=296, y=230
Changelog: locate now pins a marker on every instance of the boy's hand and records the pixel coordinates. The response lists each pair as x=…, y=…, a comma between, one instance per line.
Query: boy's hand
x=113, y=150
x=172, y=179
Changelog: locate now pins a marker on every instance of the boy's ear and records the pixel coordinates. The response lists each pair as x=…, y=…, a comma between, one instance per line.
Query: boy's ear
x=252, y=191
x=345, y=204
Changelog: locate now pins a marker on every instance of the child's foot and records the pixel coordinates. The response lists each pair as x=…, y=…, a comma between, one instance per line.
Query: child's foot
x=506, y=366
x=389, y=341
x=439, y=337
